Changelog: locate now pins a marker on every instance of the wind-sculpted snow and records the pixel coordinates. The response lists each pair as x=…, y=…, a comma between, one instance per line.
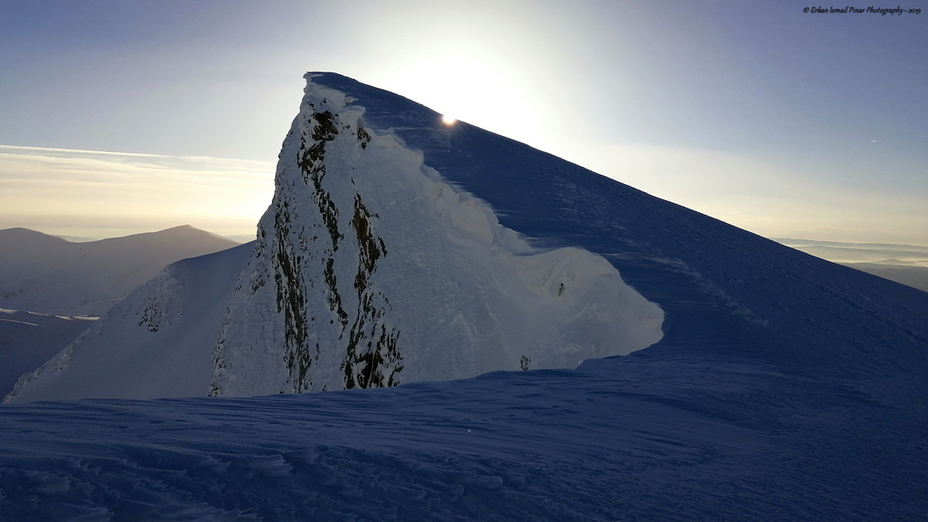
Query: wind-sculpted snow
x=372, y=271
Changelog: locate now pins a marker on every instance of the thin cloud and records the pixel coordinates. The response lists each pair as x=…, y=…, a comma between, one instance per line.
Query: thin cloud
x=55, y=187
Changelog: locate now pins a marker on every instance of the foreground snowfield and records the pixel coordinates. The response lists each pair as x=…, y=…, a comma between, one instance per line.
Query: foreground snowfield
x=656, y=435
x=785, y=387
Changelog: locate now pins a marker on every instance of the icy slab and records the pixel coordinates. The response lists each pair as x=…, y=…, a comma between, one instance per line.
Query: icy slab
x=372, y=271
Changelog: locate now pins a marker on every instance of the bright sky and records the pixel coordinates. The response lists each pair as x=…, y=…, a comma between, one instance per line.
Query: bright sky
x=789, y=124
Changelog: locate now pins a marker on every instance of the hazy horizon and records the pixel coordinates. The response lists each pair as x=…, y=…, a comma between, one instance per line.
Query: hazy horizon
x=122, y=118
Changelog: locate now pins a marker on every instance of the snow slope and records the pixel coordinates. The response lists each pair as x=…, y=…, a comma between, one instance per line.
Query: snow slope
x=785, y=387
x=49, y=275
x=154, y=343
x=27, y=340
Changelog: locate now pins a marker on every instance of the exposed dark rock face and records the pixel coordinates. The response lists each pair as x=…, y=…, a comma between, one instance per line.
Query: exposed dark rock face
x=302, y=249
x=372, y=360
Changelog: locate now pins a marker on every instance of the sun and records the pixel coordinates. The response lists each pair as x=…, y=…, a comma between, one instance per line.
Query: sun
x=448, y=120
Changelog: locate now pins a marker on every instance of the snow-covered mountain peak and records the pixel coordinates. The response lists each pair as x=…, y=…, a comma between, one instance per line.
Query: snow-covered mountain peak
x=784, y=387
x=371, y=270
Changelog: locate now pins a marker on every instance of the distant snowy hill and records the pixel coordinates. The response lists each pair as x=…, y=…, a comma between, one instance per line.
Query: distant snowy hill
x=157, y=342
x=783, y=386
x=49, y=275
x=49, y=286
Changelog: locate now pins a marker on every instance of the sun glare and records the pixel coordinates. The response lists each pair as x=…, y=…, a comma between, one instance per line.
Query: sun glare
x=448, y=120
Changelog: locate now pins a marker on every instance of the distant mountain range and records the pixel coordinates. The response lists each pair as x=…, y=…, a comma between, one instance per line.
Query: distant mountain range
x=906, y=264
x=46, y=274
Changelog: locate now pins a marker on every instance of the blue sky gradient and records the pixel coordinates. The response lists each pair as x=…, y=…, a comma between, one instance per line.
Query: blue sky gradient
x=786, y=123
